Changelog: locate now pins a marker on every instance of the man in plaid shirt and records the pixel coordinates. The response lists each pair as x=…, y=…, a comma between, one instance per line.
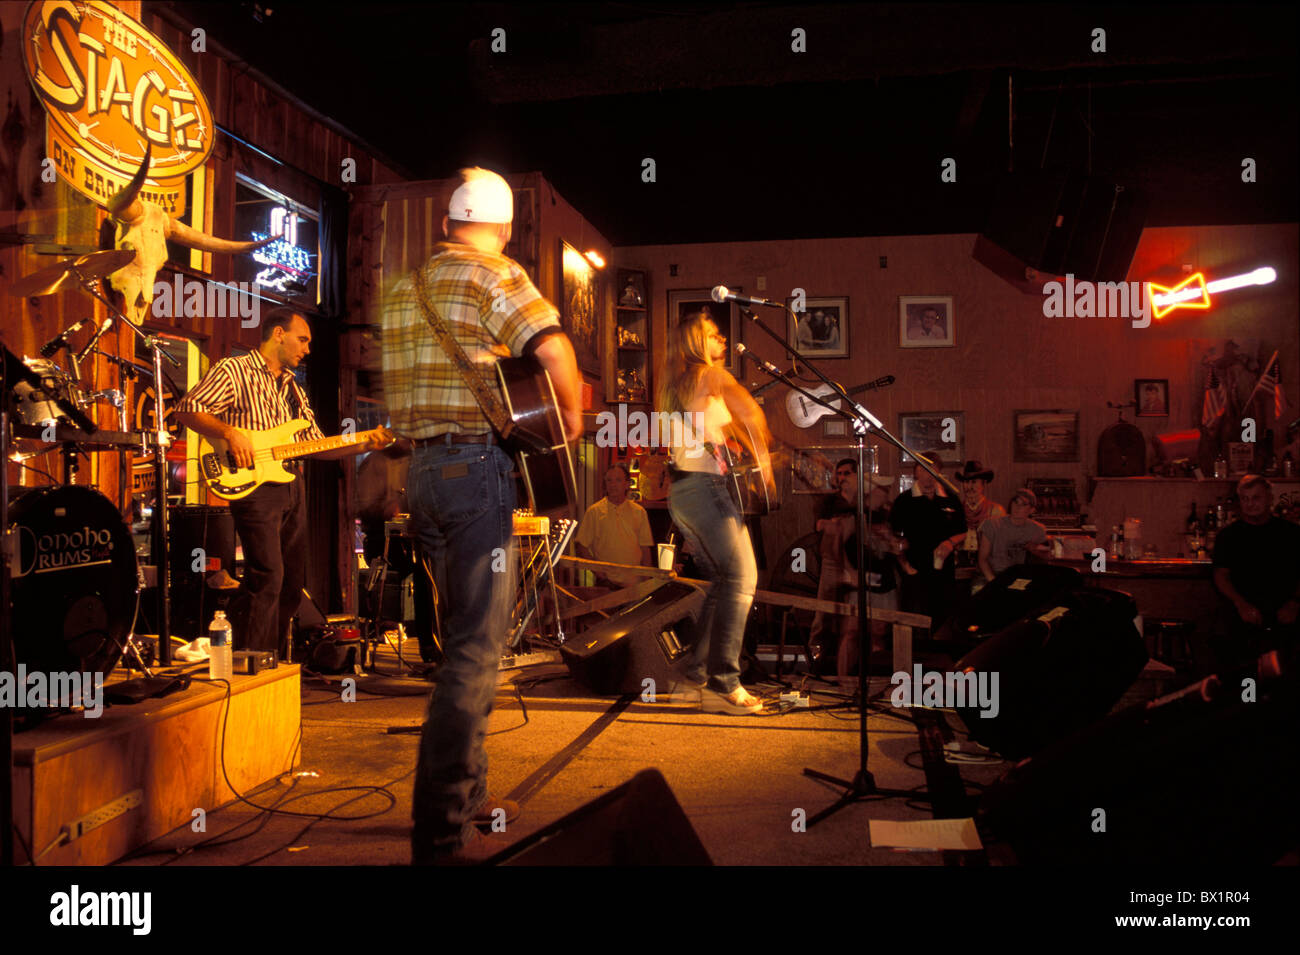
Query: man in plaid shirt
x=460, y=489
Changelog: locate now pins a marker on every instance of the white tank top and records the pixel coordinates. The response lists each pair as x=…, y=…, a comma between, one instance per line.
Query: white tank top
x=702, y=423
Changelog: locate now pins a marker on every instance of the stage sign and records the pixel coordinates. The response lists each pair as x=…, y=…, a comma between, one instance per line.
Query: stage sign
x=109, y=85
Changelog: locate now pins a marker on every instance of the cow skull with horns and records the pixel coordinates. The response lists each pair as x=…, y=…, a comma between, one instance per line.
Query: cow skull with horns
x=145, y=227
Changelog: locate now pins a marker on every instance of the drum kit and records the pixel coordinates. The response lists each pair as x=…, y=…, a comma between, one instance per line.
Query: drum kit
x=74, y=580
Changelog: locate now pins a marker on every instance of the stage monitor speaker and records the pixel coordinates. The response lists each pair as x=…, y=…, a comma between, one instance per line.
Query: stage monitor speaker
x=1066, y=223
x=1058, y=671
x=192, y=527
x=1192, y=782
x=1015, y=593
x=644, y=640
x=639, y=823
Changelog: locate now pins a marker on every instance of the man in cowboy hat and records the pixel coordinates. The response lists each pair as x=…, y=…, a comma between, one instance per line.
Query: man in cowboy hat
x=974, y=480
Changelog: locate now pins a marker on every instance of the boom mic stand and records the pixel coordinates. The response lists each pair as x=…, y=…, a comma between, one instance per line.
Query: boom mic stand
x=863, y=785
x=163, y=442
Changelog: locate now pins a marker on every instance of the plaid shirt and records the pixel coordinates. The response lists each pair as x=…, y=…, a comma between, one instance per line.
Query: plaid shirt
x=491, y=309
x=242, y=392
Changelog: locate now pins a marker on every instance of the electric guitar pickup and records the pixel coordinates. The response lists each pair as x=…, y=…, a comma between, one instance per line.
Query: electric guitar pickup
x=271, y=448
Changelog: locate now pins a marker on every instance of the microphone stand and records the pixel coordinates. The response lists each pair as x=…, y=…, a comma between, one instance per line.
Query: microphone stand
x=8, y=542
x=163, y=442
x=863, y=785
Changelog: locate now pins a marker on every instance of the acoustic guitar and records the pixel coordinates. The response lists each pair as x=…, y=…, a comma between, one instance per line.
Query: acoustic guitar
x=805, y=413
x=537, y=438
x=744, y=475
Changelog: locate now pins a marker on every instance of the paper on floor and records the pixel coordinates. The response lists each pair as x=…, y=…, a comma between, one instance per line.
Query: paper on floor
x=925, y=834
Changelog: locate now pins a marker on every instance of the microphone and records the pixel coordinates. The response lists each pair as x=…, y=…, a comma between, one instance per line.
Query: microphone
x=94, y=339
x=60, y=340
x=722, y=294
x=767, y=366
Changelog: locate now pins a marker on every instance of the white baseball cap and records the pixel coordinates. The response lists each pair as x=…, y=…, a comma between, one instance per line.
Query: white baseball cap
x=483, y=197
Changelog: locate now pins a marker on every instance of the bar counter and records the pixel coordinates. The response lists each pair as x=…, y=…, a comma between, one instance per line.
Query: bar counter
x=1167, y=590
x=1154, y=568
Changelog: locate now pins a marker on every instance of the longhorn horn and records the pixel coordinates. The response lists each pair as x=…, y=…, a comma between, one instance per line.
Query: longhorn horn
x=125, y=206
x=196, y=239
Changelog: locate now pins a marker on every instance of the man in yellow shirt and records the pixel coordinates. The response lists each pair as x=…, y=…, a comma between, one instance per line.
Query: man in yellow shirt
x=616, y=530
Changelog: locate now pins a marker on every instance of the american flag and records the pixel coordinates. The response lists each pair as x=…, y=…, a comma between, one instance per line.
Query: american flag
x=1215, y=403
x=1270, y=384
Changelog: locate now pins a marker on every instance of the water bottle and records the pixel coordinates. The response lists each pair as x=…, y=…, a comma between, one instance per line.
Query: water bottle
x=219, y=649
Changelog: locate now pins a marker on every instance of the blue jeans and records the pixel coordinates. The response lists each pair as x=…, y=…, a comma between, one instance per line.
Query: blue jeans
x=702, y=507
x=462, y=499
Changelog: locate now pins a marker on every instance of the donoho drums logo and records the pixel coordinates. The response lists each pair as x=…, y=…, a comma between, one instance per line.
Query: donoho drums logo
x=64, y=550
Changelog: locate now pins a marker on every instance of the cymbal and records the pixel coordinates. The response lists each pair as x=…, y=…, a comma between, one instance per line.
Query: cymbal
x=70, y=272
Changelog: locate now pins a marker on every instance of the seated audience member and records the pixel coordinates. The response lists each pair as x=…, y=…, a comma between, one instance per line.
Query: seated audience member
x=1257, y=570
x=1007, y=540
x=616, y=530
x=838, y=578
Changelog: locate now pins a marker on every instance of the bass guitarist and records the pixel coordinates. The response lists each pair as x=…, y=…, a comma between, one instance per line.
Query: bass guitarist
x=254, y=392
x=700, y=390
x=460, y=488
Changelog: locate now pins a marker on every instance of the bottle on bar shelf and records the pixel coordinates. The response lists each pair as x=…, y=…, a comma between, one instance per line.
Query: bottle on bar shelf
x=1193, y=522
x=1115, y=545
x=1211, y=529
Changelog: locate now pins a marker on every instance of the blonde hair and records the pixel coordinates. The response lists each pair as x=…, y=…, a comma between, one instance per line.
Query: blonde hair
x=688, y=360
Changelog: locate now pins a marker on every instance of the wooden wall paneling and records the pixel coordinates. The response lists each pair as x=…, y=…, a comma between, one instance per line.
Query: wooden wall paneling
x=357, y=280
x=272, y=119
x=417, y=236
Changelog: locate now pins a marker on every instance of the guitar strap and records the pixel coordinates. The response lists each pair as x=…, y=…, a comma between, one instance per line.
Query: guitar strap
x=487, y=397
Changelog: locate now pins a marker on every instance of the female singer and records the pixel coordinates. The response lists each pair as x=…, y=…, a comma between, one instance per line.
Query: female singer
x=708, y=404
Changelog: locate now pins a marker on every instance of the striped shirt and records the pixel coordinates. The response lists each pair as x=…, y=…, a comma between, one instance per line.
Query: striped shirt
x=491, y=308
x=242, y=392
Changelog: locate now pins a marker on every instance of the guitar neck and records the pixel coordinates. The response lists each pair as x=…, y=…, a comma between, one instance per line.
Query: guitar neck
x=302, y=449
x=878, y=383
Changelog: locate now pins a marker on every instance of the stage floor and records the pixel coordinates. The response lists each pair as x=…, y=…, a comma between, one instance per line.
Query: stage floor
x=553, y=745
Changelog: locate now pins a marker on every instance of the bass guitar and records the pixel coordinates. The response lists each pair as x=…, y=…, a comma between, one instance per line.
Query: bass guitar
x=271, y=448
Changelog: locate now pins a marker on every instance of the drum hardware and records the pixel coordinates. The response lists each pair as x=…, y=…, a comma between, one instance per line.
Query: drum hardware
x=83, y=272
x=71, y=272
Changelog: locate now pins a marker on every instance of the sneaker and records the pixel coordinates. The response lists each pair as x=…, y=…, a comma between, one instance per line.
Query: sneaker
x=736, y=703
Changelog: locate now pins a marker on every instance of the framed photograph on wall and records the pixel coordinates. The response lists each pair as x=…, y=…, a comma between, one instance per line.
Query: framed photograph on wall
x=926, y=321
x=682, y=302
x=580, y=308
x=1152, y=396
x=821, y=330
x=1046, y=436
x=813, y=469
x=942, y=431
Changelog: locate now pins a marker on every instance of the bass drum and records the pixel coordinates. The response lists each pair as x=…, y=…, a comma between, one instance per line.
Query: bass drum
x=76, y=587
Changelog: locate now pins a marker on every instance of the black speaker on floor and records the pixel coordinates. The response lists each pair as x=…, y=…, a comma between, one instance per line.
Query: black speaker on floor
x=1062, y=222
x=644, y=640
x=1057, y=672
x=1188, y=782
x=639, y=823
x=192, y=527
x=1013, y=594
